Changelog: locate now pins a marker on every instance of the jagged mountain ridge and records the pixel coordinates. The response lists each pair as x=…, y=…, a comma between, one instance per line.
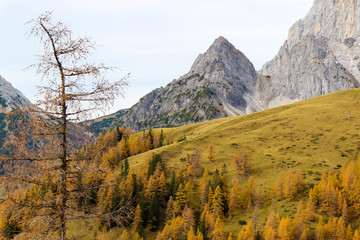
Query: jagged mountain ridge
x=320, y=56
x=220, y=83
x=10, y=97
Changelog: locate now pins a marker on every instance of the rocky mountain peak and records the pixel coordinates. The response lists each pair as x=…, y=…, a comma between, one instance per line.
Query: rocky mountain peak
x=10, y=97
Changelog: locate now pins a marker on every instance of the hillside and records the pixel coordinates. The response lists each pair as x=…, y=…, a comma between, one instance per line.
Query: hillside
x=313, y=134
x=297, y=142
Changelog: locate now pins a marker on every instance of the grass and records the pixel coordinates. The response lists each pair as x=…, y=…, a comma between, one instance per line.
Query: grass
x=314, y=136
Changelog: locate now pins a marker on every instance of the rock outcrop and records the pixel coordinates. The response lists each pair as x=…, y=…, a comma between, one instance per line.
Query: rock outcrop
x=10, y=98
x=221, y=82
x=320, y=56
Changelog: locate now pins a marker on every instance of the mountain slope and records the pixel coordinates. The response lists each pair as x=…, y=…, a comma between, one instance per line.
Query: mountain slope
x=320, y=56
x=10, y=97
x=313, y=135
x=221, y=82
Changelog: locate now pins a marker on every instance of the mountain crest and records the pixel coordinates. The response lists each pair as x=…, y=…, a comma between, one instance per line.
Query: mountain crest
x=10, y=98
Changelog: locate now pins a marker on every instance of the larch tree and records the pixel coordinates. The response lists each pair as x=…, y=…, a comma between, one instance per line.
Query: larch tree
x=46, y=138
x=242, y=162
x=210, y=152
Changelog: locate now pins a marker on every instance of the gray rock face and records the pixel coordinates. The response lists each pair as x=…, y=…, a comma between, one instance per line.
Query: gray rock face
x=321, y=55
x=220, y=83
x=10, y=97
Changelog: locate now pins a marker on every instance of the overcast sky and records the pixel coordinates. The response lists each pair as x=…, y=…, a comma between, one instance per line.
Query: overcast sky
x=155, y=40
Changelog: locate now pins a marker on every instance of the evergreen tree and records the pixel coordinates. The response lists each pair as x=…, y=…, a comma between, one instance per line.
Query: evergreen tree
x=138, y=222
x=161, y=139
x=218, y=204
x=173, y=185
x=153, y=218
x=356, y=235
x=202, y=227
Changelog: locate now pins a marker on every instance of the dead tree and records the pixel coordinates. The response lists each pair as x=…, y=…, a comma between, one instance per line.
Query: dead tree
x=42, y=149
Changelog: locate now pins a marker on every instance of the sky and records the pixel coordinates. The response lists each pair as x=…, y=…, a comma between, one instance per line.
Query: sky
x=154, y=40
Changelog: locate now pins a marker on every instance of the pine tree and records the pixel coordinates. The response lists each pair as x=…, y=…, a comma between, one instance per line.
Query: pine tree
x=341, y=229
x=125, y=235
x=161, y=139
x=270, y=223
x=242, y=162
x=181, y=197
x=219, y=233
x=320, y=230
x=133, y=145
x=235, y=201
x=153, y=218
x=284, y=229
x=303, y=235
x=202, y=226
x=249, y=231
x=210, y=154
x=170, y=212
x=218, y=203
x=310, y=208
x=173, y=185
x=270, y=234
x=349, y=233
x=138, y=222
x=191, y=235
x=356, y=235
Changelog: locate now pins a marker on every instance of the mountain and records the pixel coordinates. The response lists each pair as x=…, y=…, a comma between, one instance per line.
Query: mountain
x=320, y=56
x=221, y=82
x=10, y=97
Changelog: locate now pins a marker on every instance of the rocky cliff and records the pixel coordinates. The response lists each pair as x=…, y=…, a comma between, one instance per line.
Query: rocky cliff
x=320, y=56
x=10, y=97
x=221, y=82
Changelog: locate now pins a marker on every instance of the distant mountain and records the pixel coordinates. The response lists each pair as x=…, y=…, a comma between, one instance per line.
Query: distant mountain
x=221, y=82
x=320, y=56
x=10, y=97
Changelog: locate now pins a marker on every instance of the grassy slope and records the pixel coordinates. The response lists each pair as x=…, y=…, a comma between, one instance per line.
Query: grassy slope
x=314, y=135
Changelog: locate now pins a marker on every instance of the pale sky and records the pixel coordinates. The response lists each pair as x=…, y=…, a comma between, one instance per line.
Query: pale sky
x=155, y=40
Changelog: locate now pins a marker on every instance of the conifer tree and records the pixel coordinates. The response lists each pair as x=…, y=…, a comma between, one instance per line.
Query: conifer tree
x=320, y=229
x=235, y=201
x=44, y=140
x=270, y=234
x=138, y=222
x=356, y=235
x=218, y=204
x=303, y=235
x=249, y=231
x=242, y=162
x=153, y=218
x=341, y=229
x=284, y=229
x=349, y=233
x=161, y=139
x=210, y=153
x=310, y=208
x=270, y=223
x=219, y=233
